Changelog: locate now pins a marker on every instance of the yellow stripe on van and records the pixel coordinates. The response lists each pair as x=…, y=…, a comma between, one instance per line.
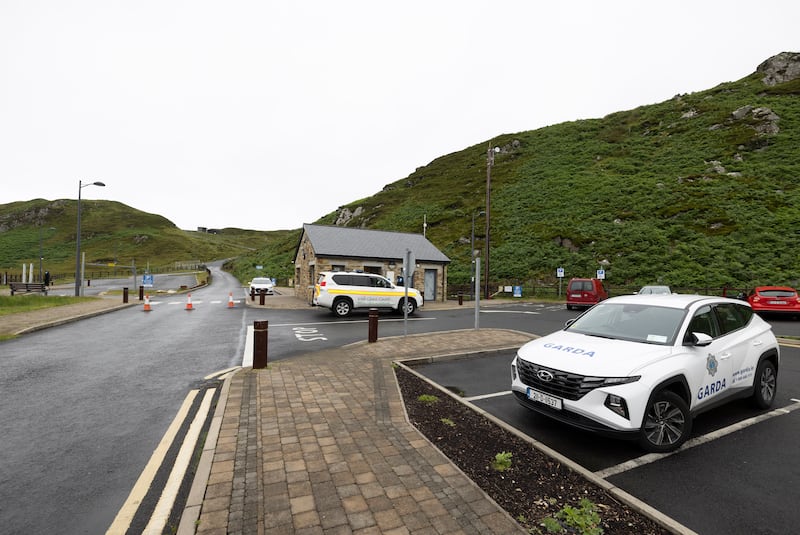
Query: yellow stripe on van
x=373, y=292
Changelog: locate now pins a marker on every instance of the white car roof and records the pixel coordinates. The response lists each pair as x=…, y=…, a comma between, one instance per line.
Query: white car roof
x=672, y=300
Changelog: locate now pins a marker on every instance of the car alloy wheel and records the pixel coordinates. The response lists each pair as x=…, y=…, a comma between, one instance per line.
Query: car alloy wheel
x=407, y=306
x=766, y=383
x=342, y=307
x=667, y=423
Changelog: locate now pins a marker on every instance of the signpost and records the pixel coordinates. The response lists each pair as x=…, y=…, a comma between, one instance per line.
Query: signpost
x=560, y=275
x=409, y=266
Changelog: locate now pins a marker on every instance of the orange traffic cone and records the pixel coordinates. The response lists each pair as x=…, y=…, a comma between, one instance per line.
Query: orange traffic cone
x=189, y=302
x=147, y=303
x=230, y=299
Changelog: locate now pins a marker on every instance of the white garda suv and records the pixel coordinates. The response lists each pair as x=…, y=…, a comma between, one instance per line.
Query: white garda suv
x=343, y=292
x=642, y=366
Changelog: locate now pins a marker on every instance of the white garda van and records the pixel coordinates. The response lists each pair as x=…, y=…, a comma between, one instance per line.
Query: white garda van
x=344, y=291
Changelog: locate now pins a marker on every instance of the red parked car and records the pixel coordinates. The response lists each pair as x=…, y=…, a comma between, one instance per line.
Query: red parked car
x=583, y=293
x=782, y=299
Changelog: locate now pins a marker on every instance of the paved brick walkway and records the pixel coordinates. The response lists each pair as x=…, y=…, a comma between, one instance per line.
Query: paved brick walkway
x=319, y=444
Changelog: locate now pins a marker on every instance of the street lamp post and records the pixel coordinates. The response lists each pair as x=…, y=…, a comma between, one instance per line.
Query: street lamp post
x=472, y=256
x=490, y=152
x=78, y=271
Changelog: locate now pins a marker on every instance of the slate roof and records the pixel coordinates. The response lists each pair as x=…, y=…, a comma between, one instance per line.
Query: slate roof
x=365, y=243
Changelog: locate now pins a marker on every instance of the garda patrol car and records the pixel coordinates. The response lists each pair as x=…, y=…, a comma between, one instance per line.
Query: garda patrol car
x=643, y=366
x=343, y=292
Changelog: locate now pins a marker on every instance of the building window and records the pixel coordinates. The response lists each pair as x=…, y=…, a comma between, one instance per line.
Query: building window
x=337, y=267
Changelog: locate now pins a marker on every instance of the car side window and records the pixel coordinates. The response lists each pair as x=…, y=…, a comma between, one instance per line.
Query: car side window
x=378, y=282
x=702, y=322
x=745, y=312
x=729, y=319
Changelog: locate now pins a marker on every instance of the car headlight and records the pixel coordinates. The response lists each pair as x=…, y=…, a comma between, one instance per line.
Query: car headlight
x=612, y=381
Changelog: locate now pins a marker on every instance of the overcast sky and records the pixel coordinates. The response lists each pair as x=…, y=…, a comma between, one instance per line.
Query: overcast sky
x=266, y=115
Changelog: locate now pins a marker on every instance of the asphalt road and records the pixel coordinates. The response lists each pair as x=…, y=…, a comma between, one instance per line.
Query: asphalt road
x=86, y=403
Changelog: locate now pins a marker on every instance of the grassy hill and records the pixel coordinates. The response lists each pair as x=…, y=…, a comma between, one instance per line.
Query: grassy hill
x=111, y=233
x=701, y=190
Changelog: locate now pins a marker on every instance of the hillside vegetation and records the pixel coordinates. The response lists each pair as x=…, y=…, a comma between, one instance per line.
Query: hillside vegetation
x=702, y=190
x=112, y=235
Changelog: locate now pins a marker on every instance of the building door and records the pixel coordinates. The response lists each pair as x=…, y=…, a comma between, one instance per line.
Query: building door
x=430, y=285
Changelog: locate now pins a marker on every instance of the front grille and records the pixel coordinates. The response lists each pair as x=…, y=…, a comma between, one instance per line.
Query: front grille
x=564, y=384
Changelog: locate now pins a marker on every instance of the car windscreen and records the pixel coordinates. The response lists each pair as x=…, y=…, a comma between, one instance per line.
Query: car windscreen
x=634, y=322
x=261, y=281
x=777, y=293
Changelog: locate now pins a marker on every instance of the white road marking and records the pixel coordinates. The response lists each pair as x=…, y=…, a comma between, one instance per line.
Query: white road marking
x=510, y=312
x=697, y=441
x=345, y=321
x=125, y=515
x=158, y=520
x=488, y=396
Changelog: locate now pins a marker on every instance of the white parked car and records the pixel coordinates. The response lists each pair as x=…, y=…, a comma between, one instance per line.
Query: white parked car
x=343, y=292
x=642, y=366
x=654, y=290
x=259, y=284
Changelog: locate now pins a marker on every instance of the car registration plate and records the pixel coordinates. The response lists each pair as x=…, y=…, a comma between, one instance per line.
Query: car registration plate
x=547, y=399
x=777, y=302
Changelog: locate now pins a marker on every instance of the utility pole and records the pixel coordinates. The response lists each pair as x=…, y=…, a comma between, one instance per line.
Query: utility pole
x=490, y=152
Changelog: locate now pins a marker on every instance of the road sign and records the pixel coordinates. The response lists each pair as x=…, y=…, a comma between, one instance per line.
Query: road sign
x=147, y=280
x=601, y=274
x=560, y=273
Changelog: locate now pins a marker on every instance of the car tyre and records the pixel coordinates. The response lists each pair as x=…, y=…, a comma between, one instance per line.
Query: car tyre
x=667, y=423
x=342, y=307
x=765, y=384
x=411, y=306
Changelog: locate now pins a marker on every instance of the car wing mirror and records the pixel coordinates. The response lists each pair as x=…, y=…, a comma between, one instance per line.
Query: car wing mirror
x=701, y=339
x=569, y=322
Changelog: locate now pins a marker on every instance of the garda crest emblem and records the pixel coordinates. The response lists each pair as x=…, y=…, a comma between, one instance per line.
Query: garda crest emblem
x=711, y=365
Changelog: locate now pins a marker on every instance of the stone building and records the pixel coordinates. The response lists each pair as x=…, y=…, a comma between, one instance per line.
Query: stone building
x=330, y=248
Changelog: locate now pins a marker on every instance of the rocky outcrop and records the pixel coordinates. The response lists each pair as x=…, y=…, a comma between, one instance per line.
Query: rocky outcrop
x=780, y=68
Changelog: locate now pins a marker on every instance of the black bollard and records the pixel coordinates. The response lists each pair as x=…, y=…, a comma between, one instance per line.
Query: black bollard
x=260, y=331
x=373, y=325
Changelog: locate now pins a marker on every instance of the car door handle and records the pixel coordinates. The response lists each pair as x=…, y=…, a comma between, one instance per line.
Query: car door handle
x=724, y=356
x=757, y=343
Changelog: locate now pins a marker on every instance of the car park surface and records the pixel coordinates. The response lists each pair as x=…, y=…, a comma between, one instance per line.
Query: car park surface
x=722, y=481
